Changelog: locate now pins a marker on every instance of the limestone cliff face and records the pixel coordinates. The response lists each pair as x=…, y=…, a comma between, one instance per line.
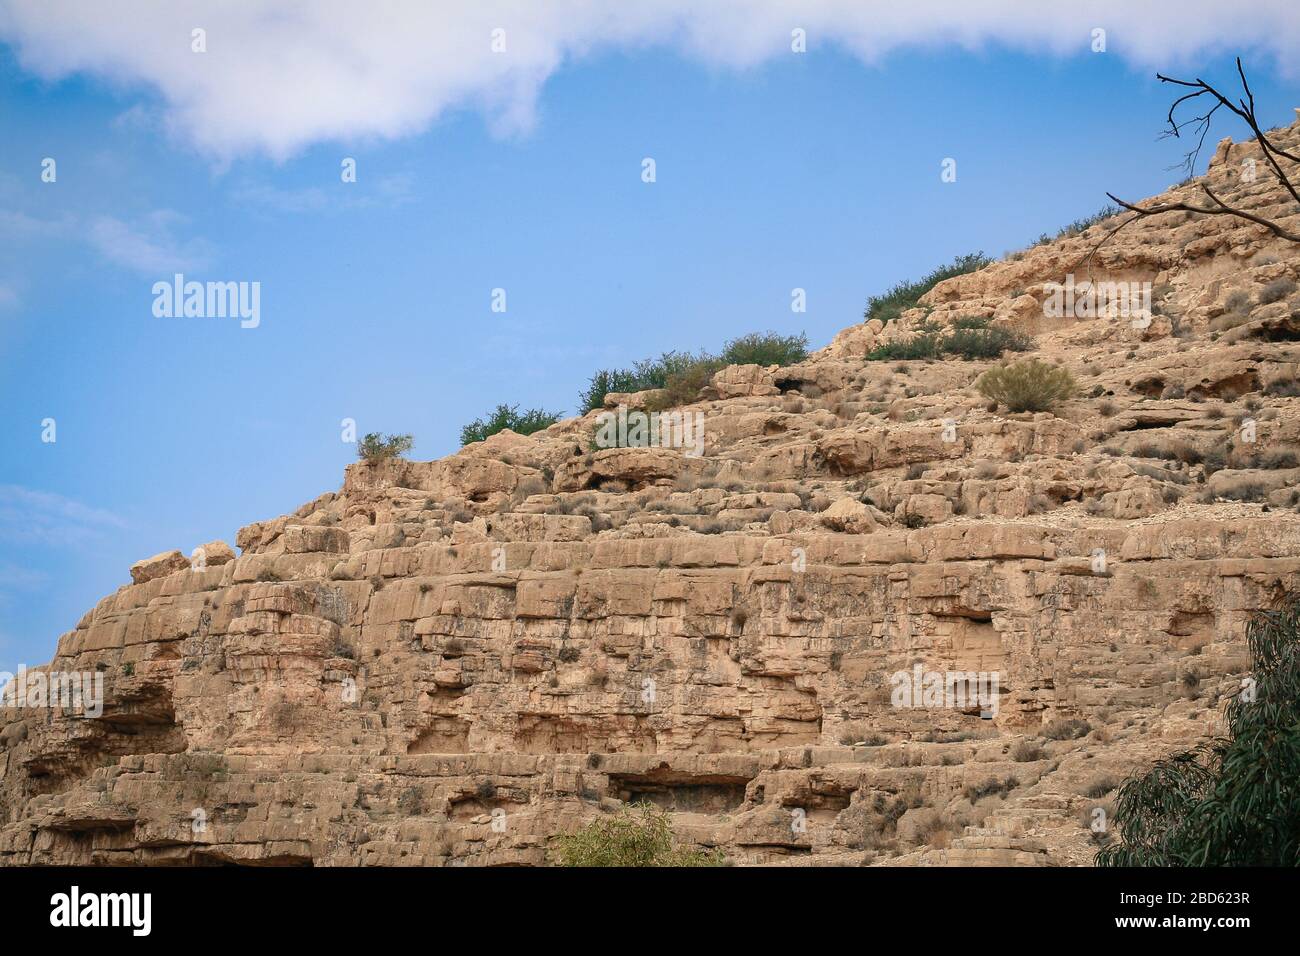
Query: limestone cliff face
x=450, y=662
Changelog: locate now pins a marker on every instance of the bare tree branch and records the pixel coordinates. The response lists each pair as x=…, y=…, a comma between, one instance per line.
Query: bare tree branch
x=1243, y=108
x=1106, y=238
x=1220, y=208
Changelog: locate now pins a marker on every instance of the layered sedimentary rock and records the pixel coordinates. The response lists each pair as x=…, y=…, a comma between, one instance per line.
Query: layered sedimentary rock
x=452, y=662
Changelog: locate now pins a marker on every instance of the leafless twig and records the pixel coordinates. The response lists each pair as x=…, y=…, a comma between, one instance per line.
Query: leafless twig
x=1244, y=108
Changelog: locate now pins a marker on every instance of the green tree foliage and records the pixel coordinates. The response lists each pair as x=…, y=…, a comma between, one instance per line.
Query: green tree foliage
x=508, y=416
x=375, y=447
x=1028, y=386
x=640, y=836
x=684, y=385
x=897, y=300
x=765, y=348
x=1236, y=800
x=645, y=374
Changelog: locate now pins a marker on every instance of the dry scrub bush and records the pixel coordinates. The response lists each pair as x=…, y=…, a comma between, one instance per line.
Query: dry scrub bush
x=640, y=836
x=1028, y=386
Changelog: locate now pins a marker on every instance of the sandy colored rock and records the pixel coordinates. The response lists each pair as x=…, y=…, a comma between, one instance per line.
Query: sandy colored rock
x=850, y=516
x=160, y=565
x=214, y=554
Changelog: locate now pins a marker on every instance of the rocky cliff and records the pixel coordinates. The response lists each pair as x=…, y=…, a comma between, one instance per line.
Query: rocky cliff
x=451, y=662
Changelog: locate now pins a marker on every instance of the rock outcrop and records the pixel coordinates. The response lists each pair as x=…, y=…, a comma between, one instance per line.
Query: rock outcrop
x=451, y=662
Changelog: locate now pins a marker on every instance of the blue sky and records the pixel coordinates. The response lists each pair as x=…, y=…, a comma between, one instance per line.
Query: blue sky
x=818, y=171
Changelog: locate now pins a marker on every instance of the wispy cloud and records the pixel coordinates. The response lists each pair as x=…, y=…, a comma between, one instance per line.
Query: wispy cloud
x=388, y=191
x=146, y=244
x=16, y=224
x=279, y=75
x=43, y=517
x=16, y=581
x=15, y=578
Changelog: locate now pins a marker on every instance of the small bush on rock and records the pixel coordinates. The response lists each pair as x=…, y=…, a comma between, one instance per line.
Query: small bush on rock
x=970, y=338
x=375, y=447
x=990, y=788
x=1071, y=729
x=1276, y=291
x=640, y=836
x=1286, y=386
x=1028, y=386
x=918, y=347
x=1027, y=751
x=984, y=343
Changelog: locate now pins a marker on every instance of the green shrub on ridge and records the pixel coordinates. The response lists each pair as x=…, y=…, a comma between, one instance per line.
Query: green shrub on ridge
x=684, y=374
x=903, y=296
x=374, y=447
x=508, y=416
x=969, y=338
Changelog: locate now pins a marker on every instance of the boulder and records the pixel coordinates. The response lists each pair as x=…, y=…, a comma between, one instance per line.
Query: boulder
x=849, y=516
x=159, y=566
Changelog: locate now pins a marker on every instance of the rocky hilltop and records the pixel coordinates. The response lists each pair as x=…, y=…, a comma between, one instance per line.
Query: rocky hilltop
x=451, y=662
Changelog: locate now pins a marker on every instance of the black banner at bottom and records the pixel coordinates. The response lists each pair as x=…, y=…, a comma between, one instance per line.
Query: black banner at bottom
x=339, y=906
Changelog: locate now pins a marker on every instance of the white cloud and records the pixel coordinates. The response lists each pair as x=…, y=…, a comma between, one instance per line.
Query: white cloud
x=387, y=191
x=17, y=224
x=279, y=75
x=43, y=517
x=15, y=578
x=146, y=244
